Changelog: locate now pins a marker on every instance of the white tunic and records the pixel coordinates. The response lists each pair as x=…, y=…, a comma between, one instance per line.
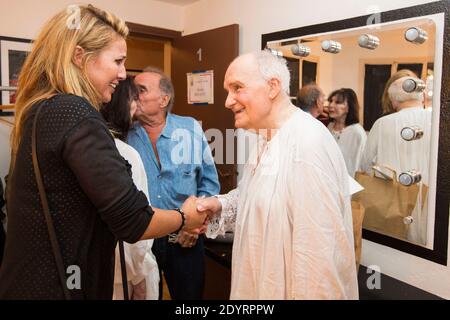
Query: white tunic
x=292, y=218
x=139, y=259
x=385, y=146
x=351, y=141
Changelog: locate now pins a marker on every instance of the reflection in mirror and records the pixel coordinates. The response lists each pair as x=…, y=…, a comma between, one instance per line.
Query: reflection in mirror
x=378, y=106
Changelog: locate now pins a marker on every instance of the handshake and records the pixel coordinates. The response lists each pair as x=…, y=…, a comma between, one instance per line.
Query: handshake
x=197, y=212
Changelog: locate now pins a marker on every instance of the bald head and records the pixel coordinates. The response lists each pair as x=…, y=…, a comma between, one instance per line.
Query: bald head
x=399, y=96
x=257, y=84
x=263, y=65
x=310, y=99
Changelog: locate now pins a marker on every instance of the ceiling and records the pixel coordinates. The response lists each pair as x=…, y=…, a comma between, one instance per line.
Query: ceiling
x=180, y=3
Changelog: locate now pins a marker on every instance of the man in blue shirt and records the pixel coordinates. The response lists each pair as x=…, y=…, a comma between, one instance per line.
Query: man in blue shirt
x=178, y=163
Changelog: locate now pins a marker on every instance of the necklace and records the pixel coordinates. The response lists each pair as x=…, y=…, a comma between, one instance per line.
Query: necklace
x=336, y=134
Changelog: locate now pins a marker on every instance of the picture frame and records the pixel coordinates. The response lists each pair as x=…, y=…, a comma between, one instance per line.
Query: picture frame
x=13, y=52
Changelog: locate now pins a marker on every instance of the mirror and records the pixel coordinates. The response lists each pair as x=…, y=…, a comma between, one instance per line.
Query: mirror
x=402, y=208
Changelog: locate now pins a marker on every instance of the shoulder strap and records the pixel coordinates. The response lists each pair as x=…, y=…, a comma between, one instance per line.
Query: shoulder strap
x=51, y=229
x=123, y=268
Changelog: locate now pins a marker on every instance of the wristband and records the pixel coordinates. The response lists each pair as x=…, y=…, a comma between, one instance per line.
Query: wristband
x=183, y=219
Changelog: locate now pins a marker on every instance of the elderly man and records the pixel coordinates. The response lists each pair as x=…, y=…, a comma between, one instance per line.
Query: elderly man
x=178, y=163
x=385, y=145
x=310, y=98
x=291, y=212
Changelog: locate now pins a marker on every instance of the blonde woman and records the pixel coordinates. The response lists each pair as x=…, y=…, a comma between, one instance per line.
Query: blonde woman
x=69, y=73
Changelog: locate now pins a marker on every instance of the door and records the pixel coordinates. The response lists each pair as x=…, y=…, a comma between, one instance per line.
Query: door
x=209, y=50
x=375, y=78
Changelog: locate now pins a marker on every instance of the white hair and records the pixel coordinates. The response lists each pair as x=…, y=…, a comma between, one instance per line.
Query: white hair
x=271, y=66
x=396, y=92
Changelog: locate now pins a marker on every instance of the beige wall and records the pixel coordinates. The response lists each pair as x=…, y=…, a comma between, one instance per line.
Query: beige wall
x=24, y=18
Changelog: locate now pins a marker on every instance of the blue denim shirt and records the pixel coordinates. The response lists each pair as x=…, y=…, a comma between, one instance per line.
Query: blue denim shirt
x=187, y=166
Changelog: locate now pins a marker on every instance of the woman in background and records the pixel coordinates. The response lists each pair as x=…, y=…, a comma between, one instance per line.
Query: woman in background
x=142, y=269
x=343, y=109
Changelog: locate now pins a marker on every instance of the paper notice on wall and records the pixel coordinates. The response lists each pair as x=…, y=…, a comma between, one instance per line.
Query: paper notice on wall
x=200, y=87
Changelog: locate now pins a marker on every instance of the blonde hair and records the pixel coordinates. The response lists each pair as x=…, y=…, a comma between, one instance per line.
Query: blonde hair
x=49, y=68
x=386, y=102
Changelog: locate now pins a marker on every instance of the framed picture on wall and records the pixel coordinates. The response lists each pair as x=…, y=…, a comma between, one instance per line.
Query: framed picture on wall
x=13, y=52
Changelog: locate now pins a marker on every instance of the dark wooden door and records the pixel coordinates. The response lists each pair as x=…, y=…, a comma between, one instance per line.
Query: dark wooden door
x=209, y=50
x=375, y=79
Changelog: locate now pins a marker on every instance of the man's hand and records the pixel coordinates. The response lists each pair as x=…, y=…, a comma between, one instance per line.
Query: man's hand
x=211, y=206
x=193, y=218
x=187, y=239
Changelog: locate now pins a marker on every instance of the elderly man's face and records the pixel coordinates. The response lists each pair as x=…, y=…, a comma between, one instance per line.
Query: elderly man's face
x=248, y=94
x=150, y=95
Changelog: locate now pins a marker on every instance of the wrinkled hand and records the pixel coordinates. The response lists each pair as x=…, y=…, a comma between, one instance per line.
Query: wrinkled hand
x=139, y=291
x=193, y=218
x=187, y=239
x=210, y=206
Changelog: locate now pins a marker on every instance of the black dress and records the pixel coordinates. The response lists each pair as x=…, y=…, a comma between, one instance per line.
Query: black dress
x=92, y=200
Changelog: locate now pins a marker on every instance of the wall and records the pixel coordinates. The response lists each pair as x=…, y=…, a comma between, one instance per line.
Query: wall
x=257, y=17
x=30, y=15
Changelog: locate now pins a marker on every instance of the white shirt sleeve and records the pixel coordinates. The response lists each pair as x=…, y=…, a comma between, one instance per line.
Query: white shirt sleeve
x=226, y=219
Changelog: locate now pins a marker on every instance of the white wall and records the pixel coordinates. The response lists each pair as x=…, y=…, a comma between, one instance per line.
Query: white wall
x=24, y=18
x=257, y=17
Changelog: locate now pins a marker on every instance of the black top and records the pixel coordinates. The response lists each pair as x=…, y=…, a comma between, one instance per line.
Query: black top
x=92, y=200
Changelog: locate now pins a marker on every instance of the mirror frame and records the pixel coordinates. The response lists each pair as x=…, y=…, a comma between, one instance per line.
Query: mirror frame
x=439, y=252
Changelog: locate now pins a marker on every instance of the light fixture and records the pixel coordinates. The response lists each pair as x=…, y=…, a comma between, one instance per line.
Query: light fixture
x=409, y=178
x=411, y=133
x=276, y=53
x=300, y=50
x=331, y=46
x=368, y=41
x=413, y=85
x=416, y=35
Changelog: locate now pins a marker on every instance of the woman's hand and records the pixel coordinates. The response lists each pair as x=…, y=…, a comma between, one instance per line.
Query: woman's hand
x=193, y=218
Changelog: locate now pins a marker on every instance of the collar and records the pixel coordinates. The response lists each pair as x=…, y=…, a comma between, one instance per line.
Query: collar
x=170, y=126
x=166, y=132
